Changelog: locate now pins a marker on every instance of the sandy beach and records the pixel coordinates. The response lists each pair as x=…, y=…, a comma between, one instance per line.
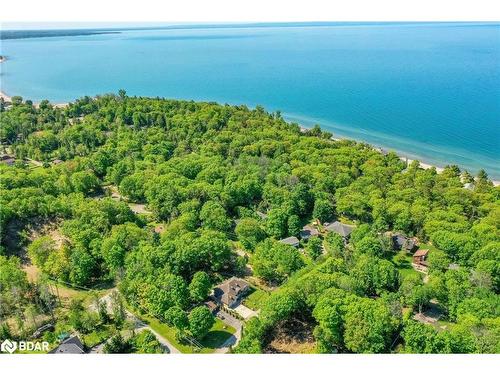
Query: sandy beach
x=399, y=153
x=3, y=95
x=303, y=129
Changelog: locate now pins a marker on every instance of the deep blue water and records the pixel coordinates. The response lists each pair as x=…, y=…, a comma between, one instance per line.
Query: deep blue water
x=426, y=90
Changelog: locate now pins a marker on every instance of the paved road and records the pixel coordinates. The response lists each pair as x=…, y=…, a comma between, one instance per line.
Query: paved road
x=236, y=337
x=139, y=325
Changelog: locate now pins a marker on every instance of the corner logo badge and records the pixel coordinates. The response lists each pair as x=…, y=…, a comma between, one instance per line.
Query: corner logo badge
x=8, y=346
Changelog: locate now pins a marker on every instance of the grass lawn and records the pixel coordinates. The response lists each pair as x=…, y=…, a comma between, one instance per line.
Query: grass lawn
x=97, y=336
x=217, y=336
x=214, y=338
x=256, y=298
x=166, y=331
x=405, y=268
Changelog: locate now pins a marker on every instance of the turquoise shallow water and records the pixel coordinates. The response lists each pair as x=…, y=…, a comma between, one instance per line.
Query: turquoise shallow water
x=427, y=90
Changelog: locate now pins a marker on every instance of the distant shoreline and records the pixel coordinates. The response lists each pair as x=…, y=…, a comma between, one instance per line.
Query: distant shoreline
x=400, y=154
x=303, y=128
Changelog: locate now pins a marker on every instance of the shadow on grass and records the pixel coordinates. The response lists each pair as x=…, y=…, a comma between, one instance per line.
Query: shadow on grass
x=215, y=339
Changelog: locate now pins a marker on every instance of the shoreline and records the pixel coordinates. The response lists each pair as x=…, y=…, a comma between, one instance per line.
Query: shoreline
x=3, y=95
x=400, y=154
x=303, y=128
x=8, y=98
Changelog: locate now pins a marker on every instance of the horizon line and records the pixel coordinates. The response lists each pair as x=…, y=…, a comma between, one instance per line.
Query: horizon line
x=151, y=25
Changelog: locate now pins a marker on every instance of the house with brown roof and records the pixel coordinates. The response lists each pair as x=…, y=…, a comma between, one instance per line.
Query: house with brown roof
x=230, y=292
x=420, y=257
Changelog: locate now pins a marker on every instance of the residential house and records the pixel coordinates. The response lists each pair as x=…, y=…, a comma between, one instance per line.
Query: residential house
x=343, y=230
x=308, y=231
x=420, y=257
x=230, y=292
x=293, y=241
x=71, y=345
x=401, y=242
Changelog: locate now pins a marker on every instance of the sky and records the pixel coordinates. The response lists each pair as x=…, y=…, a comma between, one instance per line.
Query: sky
x=77, y=25
x=85, y=14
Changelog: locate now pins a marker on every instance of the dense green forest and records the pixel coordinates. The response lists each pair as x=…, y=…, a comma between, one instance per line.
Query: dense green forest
x=218, y=187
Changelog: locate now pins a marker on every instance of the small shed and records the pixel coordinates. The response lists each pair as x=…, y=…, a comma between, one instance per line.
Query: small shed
x=159, y=229
x=469, y=186
x=261, y=215
x=420, y=257
x=212, y=306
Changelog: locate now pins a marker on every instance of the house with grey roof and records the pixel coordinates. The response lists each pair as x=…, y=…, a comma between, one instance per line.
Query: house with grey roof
x=230, y=292
x=72, y=345
x=401, y=242
x=343, y=230
x=292, y=240
x=308, y=231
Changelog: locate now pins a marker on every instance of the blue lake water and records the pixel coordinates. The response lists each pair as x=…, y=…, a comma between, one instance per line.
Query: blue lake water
x=430, y=90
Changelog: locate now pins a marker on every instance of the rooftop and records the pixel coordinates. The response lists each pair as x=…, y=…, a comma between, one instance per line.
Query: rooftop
x=294, y=241
x=71, y=345
x=230, y=290
x=308, y=231
x=421, y=252
x=343, y=229
x=401, y=241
